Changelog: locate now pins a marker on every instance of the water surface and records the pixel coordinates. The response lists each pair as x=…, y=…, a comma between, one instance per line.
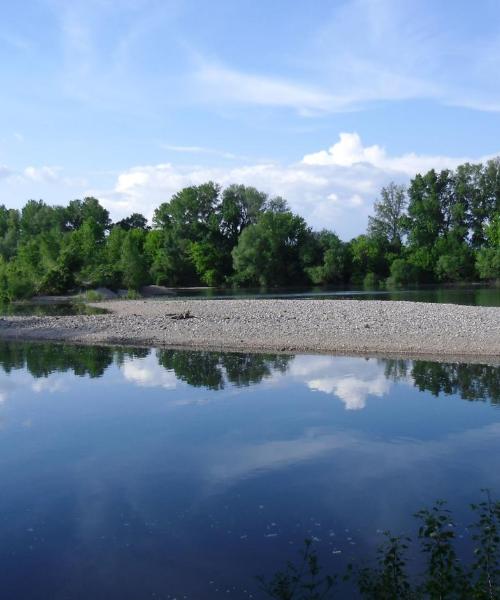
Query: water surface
x=165, y=474
x=471, y=294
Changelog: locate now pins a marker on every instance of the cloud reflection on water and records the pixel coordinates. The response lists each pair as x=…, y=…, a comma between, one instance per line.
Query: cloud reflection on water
x=351, y=380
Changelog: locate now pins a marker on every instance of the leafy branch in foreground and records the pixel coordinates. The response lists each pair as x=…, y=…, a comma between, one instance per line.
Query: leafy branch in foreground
x=487, y=537
x=445, y=575
x=303, y=582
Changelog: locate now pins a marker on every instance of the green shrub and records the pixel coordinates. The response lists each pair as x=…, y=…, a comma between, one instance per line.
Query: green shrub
x=370, y=281
x=133, y=295
x=93, y=296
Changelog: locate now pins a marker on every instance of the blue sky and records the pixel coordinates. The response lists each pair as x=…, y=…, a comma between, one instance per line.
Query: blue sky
x=321, y=102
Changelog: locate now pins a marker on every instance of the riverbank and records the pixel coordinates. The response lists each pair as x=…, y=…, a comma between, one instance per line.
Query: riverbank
x=407, y=329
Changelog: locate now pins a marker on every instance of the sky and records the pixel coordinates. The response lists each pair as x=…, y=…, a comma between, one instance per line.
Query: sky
x=321, y=102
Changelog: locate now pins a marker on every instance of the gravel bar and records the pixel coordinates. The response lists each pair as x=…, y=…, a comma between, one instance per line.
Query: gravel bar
x=349, y=327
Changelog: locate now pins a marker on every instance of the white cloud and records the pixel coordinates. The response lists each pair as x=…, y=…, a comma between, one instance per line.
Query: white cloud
x=352, y=391
x=146, y=372
x=242, y=460
x=351, y=380
x=221, y=83
x=349, y=151
x=199, y=150
x=42, y=174
x=20, y=379
x=48, y=384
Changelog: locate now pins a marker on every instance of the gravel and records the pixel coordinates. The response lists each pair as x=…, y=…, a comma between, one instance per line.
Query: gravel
x=326, y=326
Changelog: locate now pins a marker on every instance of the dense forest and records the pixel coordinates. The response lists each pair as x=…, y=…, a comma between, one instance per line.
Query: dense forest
x=443, y=227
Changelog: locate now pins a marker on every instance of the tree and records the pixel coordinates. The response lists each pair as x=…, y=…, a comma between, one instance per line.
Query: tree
x=369, y=257
x=241, y=206
x=333, y=257
x=488, y=258
x=9, y=232
x=132, y=262
x=135, y=221
x=268, y=252
x=389, y=219
x=38, y=217
x=79, y=211
x=426, y=219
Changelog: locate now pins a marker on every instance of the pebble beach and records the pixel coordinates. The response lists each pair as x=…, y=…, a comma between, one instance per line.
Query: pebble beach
x=407, y=329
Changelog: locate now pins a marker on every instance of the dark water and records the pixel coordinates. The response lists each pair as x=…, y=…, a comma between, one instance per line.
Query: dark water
x=168, y=474
x=474, y=295
x=55, y=309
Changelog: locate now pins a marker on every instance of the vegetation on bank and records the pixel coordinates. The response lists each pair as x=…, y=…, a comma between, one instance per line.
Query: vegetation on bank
x=444, y=227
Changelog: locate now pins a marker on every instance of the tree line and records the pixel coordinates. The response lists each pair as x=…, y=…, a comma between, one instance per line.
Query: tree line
x=443, y=227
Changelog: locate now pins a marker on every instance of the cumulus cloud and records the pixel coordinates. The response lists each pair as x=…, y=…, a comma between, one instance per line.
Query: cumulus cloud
x=323, y=186
x=349, y=151
x=351, y=380
x=351, y=390
x=146, y=372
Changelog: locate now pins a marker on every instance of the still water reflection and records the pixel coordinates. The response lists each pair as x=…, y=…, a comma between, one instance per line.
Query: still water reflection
x=134, y=473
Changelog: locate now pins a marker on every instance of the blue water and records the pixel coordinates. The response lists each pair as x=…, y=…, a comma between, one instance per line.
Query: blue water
x=168, y=474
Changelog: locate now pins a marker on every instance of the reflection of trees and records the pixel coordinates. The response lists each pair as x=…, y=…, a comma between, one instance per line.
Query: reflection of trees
x=470, y=381
x=213, y=369
x=42, y=359
x=197, y=368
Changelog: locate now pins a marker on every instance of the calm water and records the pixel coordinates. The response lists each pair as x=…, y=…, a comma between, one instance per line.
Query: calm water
x=475, y=295
x=168, y=474
x=58, y=309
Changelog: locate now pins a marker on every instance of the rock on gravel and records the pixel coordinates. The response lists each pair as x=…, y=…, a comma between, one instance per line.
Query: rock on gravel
x=330, y=326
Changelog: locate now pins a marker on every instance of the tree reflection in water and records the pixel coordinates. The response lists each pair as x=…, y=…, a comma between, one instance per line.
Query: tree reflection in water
x=213, y=370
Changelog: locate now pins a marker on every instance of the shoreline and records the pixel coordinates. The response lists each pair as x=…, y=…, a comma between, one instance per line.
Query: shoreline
x=340, y=327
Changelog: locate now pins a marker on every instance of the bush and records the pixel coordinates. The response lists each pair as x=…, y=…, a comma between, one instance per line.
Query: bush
x=488, y=263
x=133, y=295
x=402, y=273
x=93, y=296
x=370, y=282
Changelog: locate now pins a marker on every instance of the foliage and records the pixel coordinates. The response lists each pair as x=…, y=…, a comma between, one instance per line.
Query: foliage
x=388, y=221
x=93, y=296
x=269, y=252
x=445, y=575
x=303, y=582
x=389, y=578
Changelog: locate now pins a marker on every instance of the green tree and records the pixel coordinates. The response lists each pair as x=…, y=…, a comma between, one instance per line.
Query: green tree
x=369, y=257
x=333, y=256
x=241, y=206
x=269, y=252
x=488, y=258
x=389, y=219
x=79, y=211
x=135, y=221
x=132, y=261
